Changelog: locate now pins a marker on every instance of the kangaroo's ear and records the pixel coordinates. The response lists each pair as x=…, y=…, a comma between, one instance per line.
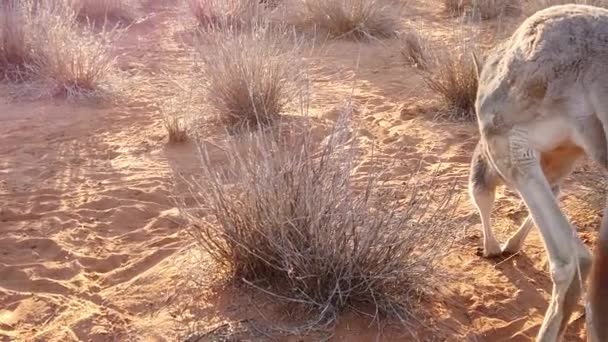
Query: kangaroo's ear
x=476, y=64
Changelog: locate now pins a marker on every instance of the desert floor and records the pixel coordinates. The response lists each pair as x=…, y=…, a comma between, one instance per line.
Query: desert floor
x=91, y=247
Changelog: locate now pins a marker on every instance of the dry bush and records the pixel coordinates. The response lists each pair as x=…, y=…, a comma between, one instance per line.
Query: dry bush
x=357, y=19
x=101, y=11
x=454, y=78
x=416, y=50
x=52, y=54
x=288, y=213
x=220, y=13
x=484, y=9
x=537, y=5
x=251, y=76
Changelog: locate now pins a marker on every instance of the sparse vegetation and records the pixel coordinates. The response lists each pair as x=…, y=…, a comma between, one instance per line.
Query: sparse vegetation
x=288, y=214
x=46, y=52
x=453, y=77
x=251, y=77
x=357, y=19
x=312, y=216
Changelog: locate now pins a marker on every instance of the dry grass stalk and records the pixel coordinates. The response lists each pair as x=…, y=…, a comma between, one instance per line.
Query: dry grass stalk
x=290, y=214
x=253, y=75
x=58, y=57
x=100, y=11
x=454, y=78
x=355, y=19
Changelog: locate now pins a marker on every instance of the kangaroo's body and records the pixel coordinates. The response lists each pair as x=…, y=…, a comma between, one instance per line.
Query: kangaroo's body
x=542, y=105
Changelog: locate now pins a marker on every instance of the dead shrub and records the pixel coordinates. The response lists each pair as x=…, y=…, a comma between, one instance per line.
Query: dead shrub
x=454, y=78
x=221, y=13
x=290, y=214
x=416, y=50
x=252, y=75
x=100, y=11
x=356, y=19
x=58, y=57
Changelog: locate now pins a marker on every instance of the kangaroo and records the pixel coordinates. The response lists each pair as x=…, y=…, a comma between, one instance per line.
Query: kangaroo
x=542, y=105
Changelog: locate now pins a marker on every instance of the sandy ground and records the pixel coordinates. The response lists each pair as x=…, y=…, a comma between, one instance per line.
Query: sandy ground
x=90, y=245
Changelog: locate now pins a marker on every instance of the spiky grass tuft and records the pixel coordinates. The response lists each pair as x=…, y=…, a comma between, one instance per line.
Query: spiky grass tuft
x=253, y=75
x=289, y=213
x=353, y=19
x=44, y=52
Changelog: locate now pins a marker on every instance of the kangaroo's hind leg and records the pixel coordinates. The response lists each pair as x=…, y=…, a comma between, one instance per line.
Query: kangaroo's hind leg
x=482, y=187
x=520, y=164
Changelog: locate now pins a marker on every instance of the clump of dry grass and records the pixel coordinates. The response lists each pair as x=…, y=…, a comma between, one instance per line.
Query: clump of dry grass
x=76, y=64
x=356, y=19
x=100, y=11
x=220, y=13
x=175, y=116
x=291, y=215
x=252, y=75
x=416, y=50
x=484, y=9
x=176, y=127
x=454, y=78
x=47, y=53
